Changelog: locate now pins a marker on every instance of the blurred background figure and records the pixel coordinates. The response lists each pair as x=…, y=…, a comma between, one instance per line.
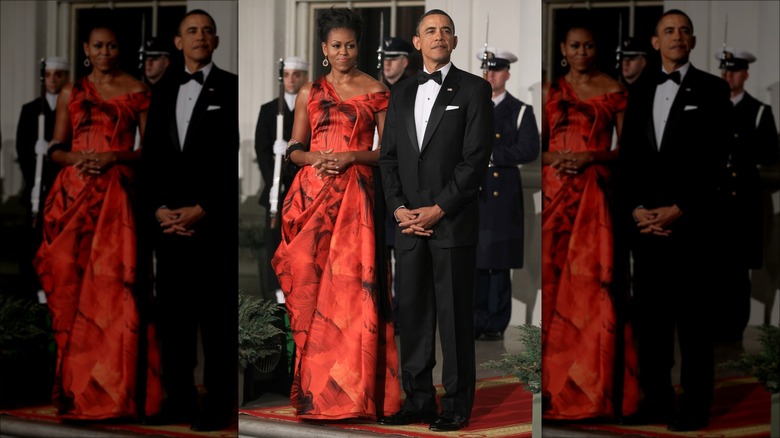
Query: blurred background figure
x=501, y=244
x=296, y=73
x=396, y=60
x=755, y=143
x=57, y=74
x=156, y=62
x=633, y=61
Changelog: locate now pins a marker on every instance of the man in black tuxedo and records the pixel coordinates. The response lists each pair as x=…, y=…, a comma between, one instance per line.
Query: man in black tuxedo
x=437, y=142
x=671, y=151
x=190, y=155
x=295, y=75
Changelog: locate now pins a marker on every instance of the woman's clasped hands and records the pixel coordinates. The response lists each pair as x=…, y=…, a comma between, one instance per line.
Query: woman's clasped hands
x=91, y=163
x=328, y=163
x=571, y=163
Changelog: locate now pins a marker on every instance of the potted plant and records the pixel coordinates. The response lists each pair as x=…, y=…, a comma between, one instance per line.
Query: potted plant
x=260, y=340
x=26, y=364
x=764, y=366
x=527, y=367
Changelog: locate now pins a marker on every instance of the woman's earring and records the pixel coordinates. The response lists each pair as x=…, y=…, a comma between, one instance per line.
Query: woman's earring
x=325, y=62
x=86, y=62
x=564, y=62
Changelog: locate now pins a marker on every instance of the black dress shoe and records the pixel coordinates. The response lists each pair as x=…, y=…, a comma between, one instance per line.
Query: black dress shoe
x=445, y=424
x=402, y=418
x=687, y=424
x=492, y=336
x=208, y=424
x=166, y=417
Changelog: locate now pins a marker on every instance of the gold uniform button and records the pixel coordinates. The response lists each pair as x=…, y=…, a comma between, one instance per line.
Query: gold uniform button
x=733, y=193
x=495, y=174
x=498, y=135
x=495, y=194
x=736, y=135
x=734, y=174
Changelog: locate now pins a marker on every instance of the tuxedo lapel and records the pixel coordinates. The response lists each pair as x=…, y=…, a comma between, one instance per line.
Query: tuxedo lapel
x=650, y=125
x=680, y=100
x=201, y=105
x=173, y=129
x=410, y=94
x=447, y=91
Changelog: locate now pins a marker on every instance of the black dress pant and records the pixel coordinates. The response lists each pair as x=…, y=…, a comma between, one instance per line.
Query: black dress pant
x=196, y=288
x=438, y=286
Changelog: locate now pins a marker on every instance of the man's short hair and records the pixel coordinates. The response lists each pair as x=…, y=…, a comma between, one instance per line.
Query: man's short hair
x=196, y=12
x=673, y=12
x=433, y=12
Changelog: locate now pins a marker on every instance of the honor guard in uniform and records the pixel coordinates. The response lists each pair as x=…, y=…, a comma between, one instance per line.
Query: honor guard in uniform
x=396, y=53
x=755, y=143
x=57, y=74
x=156, y=62
x=396, y=61
x=633, y=61
x=500, y=246
x=296, y=74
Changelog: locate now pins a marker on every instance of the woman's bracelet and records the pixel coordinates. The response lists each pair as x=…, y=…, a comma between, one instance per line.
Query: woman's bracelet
x=292, y=146
x=55, y=146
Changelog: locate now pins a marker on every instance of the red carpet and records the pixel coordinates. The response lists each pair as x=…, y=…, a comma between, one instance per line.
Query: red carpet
x=47, y=414
x=501, y=409
x=740, y=409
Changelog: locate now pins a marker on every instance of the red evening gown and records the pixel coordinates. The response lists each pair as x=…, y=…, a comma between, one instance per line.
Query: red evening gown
x=581, y=358
x=346, y=364
x=87, y=268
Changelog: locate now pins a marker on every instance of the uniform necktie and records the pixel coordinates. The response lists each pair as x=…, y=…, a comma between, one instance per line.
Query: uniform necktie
x=423, y=77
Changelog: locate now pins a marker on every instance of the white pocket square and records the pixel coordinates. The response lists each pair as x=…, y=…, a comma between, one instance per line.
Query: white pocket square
x=451, y=107
x=213, y=107
x=690, y=107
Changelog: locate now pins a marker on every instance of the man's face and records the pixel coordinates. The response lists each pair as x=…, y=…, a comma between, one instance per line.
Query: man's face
x=497, y=79
x=736, y=79
x=55, y=80
x=632, y=67
x=294, y=80
x=674, y=39
x=197, y=39
x=155, y=66
x=394, y=67
x=436, y=39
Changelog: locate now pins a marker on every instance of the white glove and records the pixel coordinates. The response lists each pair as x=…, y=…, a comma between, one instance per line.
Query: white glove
x=41, y=146
x=280, y=147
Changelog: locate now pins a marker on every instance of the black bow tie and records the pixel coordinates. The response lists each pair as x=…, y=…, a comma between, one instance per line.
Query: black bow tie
x=675, y=76
x=197, y=76
x=423, y=77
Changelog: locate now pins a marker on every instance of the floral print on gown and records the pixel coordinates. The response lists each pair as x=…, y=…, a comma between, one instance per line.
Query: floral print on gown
x=583, y=356
x=87, y=267
x=346, y=364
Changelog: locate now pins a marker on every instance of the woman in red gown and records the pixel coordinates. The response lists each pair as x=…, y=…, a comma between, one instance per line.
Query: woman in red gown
x=336, y=291
x=586, y=349
x=87, y=259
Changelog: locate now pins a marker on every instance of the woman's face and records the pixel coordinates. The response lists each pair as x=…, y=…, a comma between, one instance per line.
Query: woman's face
x=341, y=49
x=579, y=49
x=102, y=49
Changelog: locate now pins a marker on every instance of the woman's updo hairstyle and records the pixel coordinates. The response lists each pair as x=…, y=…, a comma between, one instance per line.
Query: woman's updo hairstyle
x=339, y=18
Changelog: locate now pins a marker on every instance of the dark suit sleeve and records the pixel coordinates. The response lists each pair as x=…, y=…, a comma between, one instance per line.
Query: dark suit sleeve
x=26, y=136
x=388, y=158
x=466, y=178
x=264, y=142
x=767, y=138
x=528, y=145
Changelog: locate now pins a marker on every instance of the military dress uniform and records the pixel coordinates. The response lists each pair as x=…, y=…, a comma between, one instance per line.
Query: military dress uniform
x=501, y=243
x=754, y=143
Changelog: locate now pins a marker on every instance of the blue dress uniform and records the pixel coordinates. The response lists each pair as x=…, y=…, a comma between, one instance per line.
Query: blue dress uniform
x=754, y=143
x=500, y=246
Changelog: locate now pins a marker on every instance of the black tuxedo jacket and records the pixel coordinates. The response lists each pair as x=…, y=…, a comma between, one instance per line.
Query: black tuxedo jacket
x=448, y=169
x=684, y=170
x=265, y=135
x=203, y=171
